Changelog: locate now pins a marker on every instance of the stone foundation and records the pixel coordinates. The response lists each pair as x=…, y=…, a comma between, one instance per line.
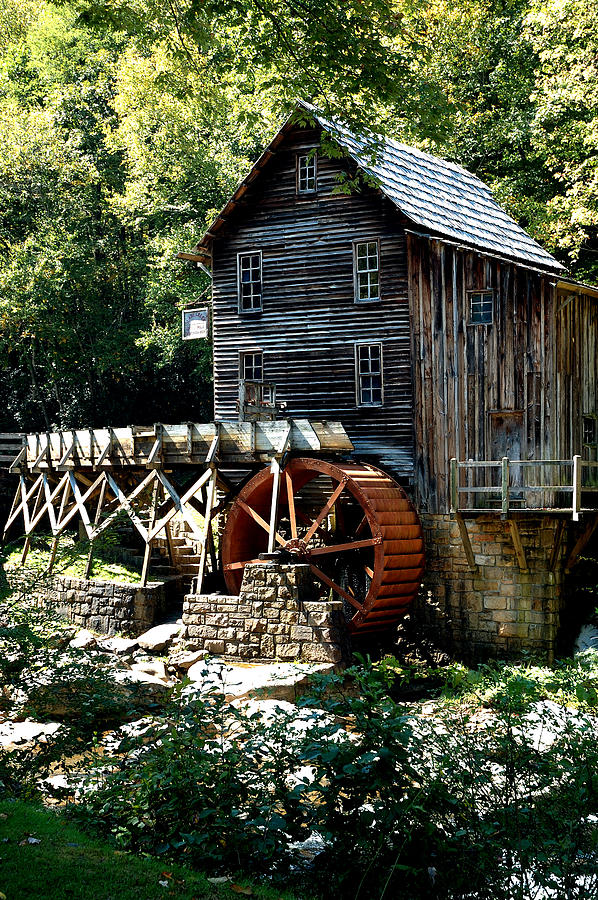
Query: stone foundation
x=274, y=618
x=497, y=610
x=103, y=606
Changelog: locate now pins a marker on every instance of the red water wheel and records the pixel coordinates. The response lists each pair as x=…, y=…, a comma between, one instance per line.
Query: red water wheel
x=350, y=522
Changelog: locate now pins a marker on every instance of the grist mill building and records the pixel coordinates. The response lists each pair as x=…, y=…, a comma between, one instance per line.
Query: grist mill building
x=454, y=350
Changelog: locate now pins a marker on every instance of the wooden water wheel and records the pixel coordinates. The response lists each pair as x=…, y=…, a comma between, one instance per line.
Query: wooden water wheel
x=350, y=522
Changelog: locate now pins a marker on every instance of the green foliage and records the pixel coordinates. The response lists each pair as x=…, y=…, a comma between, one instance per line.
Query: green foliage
x=393, y=801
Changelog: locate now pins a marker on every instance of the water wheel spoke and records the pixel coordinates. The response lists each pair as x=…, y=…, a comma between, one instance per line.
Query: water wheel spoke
x=291, y=502
x=326, y=509
x=340, y=548
x=240, y=565
x=369, y=572
x=336, y=587
x=361, y=526
x=307, y=521
x=262, y=522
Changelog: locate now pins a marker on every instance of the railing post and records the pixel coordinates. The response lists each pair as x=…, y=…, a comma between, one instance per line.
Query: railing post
x=576, y=487
x=454, y=485
x=504, y=487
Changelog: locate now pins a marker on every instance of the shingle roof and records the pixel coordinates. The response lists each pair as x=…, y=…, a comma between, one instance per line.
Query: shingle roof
x=440, y=196
x=436, y=195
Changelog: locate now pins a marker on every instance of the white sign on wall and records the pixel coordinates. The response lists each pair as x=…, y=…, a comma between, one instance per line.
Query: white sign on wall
x=196, y=323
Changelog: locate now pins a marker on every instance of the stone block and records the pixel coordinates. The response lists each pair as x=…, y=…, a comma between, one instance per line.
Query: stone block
x=214, y=646
x=493, y=602
x=287, y=651
x=267, y=646
x=301, y=633
x=513, y=629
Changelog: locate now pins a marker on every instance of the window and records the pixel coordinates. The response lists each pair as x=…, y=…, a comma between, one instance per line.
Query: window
x=249, y=276
x=590, y=430
x=251, y=366
x=307, y=173
x=366, y=264
x=481, y=307
x=368, y=374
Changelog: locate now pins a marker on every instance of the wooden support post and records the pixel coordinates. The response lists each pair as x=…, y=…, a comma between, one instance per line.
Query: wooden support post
x=96, y=522
x=466, y=542
x=167, y=530
x=63, y=502
x=504, y=487
x=207, y=527
x=556, y=547
x=454, y=485
x=275, y=469
x=576, y=487
x=516, y=538
x=27, y=544
x=148, y=543
x=581, y=543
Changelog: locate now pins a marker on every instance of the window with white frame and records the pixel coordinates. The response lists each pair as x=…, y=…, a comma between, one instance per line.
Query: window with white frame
x=249, y=279
x=366, y=263
x=307, y=173
x=481, y=307
x=251, y=365
x=368, y=375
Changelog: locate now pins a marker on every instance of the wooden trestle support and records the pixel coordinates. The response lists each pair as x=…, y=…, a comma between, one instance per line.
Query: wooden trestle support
x=349, y=521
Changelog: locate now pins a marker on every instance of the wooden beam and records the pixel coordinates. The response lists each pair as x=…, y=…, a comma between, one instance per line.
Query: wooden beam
x=148, y=544
x=581, y=543
x=516, y=538
x=576, y=487
x=469, y=554
x=275, y=469
x=556, y=547
x=207, y=526
x=96, y=521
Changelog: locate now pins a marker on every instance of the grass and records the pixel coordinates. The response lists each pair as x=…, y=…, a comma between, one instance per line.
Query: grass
x=73, y=563
x=69, y=864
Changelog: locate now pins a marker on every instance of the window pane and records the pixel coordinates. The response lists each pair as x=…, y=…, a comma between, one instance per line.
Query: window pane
x=367, y=266
x=307, y=173
x=369, y=374
x=481, y=307
x=250, y=281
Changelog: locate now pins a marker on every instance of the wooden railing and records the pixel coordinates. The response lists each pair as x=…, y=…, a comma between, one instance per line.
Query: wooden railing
x=508, y=485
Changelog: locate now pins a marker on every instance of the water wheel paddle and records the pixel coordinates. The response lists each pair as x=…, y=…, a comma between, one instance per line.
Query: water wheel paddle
x=351, y=523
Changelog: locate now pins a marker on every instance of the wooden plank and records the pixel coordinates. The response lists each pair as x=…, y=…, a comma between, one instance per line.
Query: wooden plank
x=556, y=547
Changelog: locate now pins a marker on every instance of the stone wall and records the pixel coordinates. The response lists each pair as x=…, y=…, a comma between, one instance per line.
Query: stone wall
x=497, y=610
x=274, y=618
x=103, y=606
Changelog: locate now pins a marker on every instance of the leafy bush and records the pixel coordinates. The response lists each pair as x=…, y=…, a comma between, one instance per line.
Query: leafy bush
x=366, y=795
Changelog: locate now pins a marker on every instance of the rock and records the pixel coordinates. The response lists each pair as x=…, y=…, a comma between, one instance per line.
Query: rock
x=185, y=659
x=27, y=732
x=142, y=687
x=119, y=646
x=159, y=637
x=83, y=640
x=153, y=667
x=275, y=681
x=59, y=639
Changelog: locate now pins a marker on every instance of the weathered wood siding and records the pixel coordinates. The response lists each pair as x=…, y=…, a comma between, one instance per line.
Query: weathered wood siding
x=576, y=363
x=310, y=323
x=464, y=374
